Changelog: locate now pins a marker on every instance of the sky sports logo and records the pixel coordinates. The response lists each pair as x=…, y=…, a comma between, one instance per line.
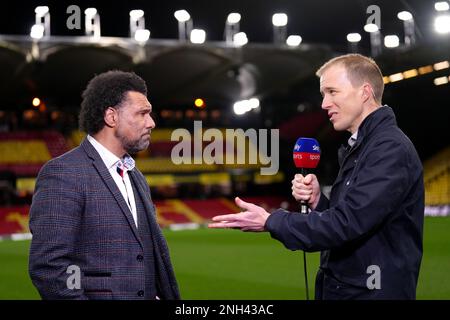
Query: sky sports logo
x=306, y=153
x=315, y=148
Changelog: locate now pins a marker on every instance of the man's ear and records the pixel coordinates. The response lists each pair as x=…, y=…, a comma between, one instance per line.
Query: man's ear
x=367, y=92
x=110, y=117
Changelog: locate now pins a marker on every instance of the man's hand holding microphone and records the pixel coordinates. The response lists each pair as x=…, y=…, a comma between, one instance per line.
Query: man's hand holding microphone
x=306, y=189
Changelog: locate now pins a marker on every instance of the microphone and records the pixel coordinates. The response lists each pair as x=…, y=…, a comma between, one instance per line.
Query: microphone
x=306, y=156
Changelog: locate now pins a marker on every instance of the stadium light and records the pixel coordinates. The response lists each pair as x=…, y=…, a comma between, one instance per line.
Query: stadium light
x=279, y=19
x=37, y=31
x=43, y=18
x=244, y=106
x=142, y=35
x=396, y=77
x=136, y=14
x=198, y=36
x=92, y=22
x=440, y=81
x=182, y=15
x=36, y=102
x=404, y=15
x=410, y=73
x=294, y=40
x=371, y=28
x=375, y=38
x=441, y=65
x=139, y=33
x=408, y=27
x=353, y=40
x=41, y=10
x=442, y=24
x=241, y=107
x=253, y=103
x=233, y=18
x=137, y=21
x=441, y=6
x=184, y=24
x=90, y=12
x=279, y=22
x=240, y=39
x=199, y=103
x=353, y=37
x=391, y=41
x=232, y=27
x=425, y=69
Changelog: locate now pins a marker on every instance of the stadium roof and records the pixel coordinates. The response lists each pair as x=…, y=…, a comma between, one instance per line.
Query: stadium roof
x=176, y=73
x=317, y=21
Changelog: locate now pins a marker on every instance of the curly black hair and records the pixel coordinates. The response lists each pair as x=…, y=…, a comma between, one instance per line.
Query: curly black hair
x=106, y=90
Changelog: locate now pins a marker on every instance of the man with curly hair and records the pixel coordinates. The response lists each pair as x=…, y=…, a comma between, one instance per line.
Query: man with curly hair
x=95, y=234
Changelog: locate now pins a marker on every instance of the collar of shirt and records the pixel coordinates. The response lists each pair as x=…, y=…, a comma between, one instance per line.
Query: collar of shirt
x=109, y=158
x=353, y=138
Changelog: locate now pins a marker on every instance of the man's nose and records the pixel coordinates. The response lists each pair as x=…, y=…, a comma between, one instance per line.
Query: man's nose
x=326, y=103
x=151, y=123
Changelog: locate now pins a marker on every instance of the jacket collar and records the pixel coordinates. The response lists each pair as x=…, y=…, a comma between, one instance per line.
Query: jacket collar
x=381, y=118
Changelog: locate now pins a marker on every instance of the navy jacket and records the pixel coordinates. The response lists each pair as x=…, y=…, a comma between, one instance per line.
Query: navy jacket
x=79, y=218
x=374, y=217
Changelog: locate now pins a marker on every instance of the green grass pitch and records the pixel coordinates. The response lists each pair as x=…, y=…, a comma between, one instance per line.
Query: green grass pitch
x=229, y=264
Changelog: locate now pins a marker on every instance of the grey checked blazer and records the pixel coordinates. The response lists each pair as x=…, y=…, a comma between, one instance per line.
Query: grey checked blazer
x=79, y=218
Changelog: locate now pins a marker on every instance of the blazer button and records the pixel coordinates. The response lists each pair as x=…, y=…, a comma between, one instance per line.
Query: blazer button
x=139, y=258
x=140, y=293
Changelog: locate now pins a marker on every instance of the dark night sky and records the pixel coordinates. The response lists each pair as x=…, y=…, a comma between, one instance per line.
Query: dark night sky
x=317, y=21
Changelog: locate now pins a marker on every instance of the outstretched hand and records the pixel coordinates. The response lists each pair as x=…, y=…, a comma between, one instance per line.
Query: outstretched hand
x=252, y=219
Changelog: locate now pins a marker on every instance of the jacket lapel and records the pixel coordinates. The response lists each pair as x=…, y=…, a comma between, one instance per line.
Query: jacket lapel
x=169, y=288
x=149, y=208
x=110, y=183
x=346, y=156
x=141, y=190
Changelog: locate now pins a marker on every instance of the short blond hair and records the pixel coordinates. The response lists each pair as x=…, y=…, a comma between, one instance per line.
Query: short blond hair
x=359, y=69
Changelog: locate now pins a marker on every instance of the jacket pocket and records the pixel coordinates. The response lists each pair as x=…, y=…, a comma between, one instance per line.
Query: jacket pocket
x=97, y=286
x=335, y=289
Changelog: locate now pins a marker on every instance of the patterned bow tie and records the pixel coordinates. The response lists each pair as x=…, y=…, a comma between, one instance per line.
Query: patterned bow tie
x=126, y=164
x=120, y=168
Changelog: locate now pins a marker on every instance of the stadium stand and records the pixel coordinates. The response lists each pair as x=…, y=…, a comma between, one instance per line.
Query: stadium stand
x=23, y=153
x=437, y=179
x=184, y=194
x=14, y=219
